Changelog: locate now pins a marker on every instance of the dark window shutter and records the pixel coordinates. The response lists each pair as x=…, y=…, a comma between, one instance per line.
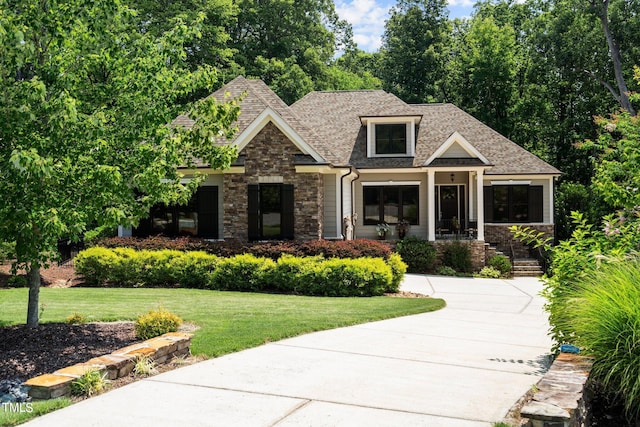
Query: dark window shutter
x=536, y=203
x=488, y=204
x=254, y=212
x=208, y=212
x=287, y=216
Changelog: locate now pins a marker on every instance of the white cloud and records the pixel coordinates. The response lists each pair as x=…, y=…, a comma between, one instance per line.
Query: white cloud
x=462, y=3
x=367, y=18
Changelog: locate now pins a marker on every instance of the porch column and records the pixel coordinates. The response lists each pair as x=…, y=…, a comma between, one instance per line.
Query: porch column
x=480, y=199
x=431, y=205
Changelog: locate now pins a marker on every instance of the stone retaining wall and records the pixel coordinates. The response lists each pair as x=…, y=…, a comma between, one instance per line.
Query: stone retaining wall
x=118, y=364
x=559, y=400
x=476, y=248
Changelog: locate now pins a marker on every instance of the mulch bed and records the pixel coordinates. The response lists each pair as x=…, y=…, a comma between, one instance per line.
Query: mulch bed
x=28, y=352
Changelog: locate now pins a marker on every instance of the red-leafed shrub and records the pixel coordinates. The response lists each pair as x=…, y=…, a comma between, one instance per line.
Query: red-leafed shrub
x=328, y=249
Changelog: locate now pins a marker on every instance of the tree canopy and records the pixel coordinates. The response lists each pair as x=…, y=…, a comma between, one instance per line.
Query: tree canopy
x=85, y=102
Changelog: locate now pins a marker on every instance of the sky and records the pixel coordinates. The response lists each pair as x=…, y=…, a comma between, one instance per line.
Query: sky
x=368, y=17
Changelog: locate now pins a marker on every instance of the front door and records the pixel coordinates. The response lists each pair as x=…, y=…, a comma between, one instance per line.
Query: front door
x=270, y=212
x=450, y=208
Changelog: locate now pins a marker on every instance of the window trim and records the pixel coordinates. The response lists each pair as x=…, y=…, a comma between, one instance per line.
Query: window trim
x=381, y=186
x=409, y=122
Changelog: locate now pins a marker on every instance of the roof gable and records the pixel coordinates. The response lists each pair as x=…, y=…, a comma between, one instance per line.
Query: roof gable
x=456, y=147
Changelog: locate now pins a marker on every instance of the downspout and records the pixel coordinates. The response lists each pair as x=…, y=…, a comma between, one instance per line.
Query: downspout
x=353, y=200
x=342, y=201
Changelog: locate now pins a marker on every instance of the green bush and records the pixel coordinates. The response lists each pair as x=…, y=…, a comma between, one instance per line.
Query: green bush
x=193, y=269
x=446, y=271
x=418, y=254
x=398, y=269
x=351, y=277
x=155, y=323
x=242, y=273
x=17, y=282
x=76, y=319
x=489, y=273
x=293, y=274
x=94, y=264
x=457, y=256
x=501, y=263
x=7, y=250
x=605, y=317
x=90, y=383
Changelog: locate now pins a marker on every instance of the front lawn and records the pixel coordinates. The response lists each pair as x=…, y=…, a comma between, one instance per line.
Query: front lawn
x=228, y=321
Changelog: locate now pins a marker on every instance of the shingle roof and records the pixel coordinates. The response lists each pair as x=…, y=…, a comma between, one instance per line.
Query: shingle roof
x=330, y=122
x=257, y=97
x=335, y=116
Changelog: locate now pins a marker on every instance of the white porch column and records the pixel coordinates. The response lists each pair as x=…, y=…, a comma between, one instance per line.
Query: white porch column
x=431, y=205
x=470, y=215
x=480, y=200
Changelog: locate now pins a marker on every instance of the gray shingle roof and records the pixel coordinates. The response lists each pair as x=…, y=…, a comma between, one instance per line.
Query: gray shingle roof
x=330, y=122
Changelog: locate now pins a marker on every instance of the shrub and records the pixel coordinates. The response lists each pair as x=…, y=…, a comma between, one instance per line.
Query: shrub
x=193, y=269
x=489, y=273
x=293, y=274
x=145, y=366
x=351, y=277
x=17, y=282
x=457, y=256
x=242, y=273
x=155, y=323
x=418, y=254
x=95, y=264
x=90, y=383
x=501, y=263
x=398, y=269
x=446, y=271
x=76, y=319
x=605, y=315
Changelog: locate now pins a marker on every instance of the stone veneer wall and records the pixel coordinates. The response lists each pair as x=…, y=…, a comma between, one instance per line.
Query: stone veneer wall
x=271, y=154
x=476, y=248
x=503, y=238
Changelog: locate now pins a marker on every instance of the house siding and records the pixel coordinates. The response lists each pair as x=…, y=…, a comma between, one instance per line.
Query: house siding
x=330, y=227
x=369, y=231
x=270, y=158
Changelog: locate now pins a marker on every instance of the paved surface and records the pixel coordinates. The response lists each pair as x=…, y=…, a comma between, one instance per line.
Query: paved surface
x=465, y=365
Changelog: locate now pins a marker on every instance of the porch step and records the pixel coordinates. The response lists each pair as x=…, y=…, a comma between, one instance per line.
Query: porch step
x=527, y=268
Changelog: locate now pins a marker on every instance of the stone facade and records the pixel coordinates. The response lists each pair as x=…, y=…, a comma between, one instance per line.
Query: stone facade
x=500, y=236
x=270, y=157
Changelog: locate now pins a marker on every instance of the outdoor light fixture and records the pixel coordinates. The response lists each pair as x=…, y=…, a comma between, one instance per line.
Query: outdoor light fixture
x=453, y=176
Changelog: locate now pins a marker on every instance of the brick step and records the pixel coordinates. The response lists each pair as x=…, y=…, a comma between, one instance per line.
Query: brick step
x=527, y=273
x=526, y=262
x=523, y=267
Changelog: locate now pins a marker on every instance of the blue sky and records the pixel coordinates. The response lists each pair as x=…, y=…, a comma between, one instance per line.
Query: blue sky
x=368, y=17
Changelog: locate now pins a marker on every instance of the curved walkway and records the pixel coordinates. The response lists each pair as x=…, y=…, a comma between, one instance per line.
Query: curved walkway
x=464, y=365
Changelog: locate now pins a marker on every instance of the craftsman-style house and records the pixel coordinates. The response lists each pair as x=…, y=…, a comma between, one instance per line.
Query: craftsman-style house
x=335, y=165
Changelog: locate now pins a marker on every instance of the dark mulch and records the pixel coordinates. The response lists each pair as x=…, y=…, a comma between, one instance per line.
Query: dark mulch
x=29, y=352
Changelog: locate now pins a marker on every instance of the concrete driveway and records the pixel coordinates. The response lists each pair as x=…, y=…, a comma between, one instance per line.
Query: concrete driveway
x=464, y=365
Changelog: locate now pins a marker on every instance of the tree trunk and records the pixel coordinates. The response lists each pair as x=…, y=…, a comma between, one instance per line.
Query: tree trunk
x=33, y=277
x=616, y=58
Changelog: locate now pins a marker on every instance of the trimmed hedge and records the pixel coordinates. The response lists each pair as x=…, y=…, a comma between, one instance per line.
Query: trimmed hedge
x=419, y=254
x=329, y=249
x=366, y=276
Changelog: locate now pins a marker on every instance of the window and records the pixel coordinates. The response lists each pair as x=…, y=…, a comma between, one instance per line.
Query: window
x=390, y=204
x=391, y=138
x=198, y=218
x=513, y=203
x=270, y=209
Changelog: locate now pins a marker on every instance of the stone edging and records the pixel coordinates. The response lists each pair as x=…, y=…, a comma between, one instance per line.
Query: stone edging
x=559, y=399
x=118, y=364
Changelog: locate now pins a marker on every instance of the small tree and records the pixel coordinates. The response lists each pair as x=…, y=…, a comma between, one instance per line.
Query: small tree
x=85, y=100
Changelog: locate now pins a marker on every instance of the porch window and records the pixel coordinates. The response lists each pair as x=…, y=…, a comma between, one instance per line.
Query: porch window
x=391, y=138
x=390, y=204
x=513, y=203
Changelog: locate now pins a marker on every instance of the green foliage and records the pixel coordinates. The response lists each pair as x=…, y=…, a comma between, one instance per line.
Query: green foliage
x=155, y=323
x=418, y=254
x=604, y=315
x=145, y=366
x=85, y=142
x=457, y=256
x=7, y=249
x=446, y=271
x=40, y=407
x=501, y=263
x=76, y=319
x=398, y=269
x=489, y=273
x=17, y=282
x=90, y=383
x=242, y=273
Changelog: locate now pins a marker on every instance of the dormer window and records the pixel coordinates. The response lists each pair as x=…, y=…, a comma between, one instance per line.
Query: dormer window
x=391, y=136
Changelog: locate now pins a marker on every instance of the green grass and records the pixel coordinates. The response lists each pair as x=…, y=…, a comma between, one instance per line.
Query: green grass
x=12, y=418
x=229, y=321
